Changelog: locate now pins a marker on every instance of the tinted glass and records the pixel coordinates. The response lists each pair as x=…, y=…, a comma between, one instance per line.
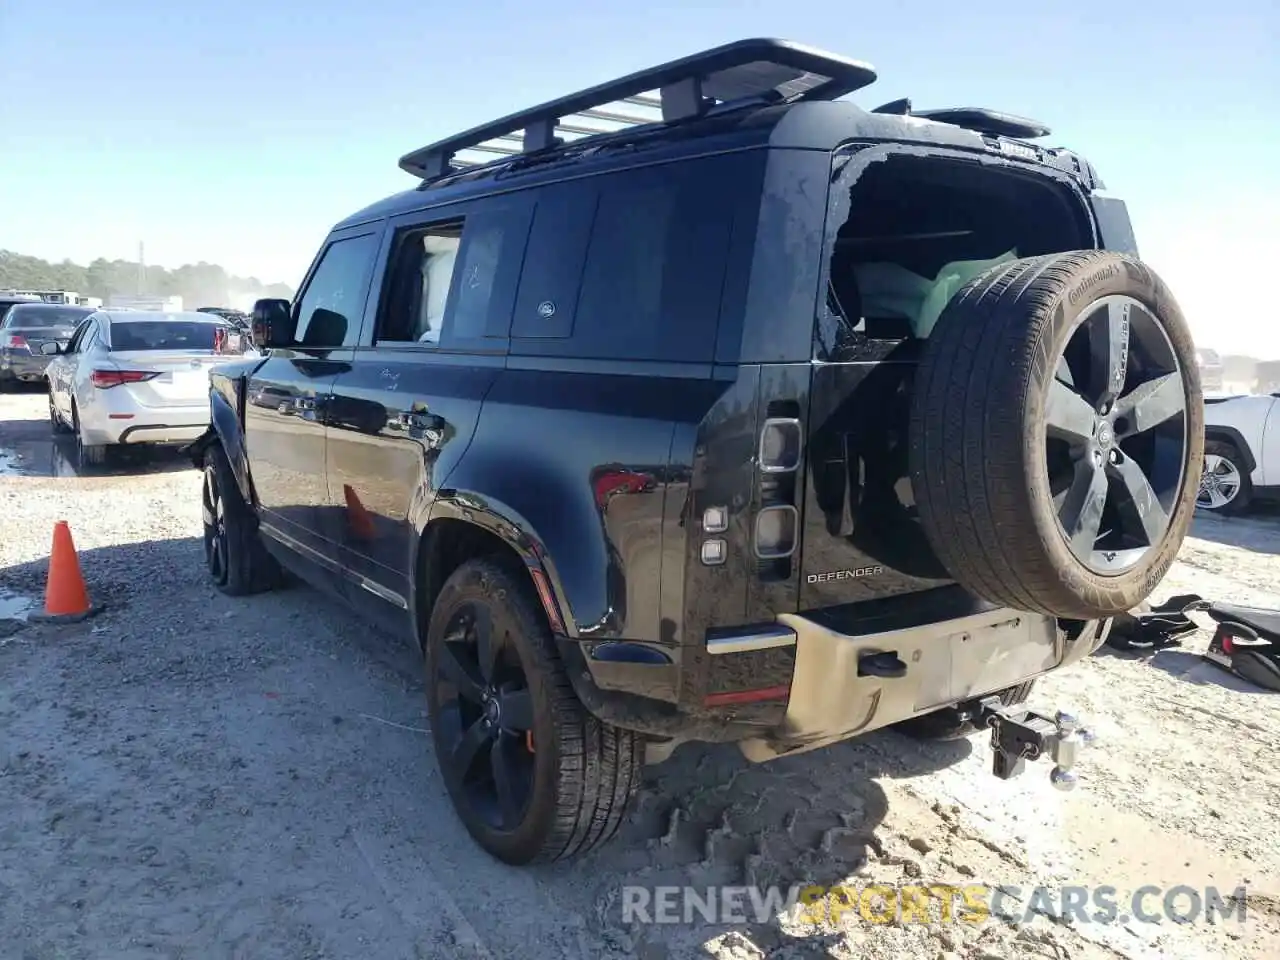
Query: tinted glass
x=651, y=279
x=163, y=335
x=32, y=318
x=332, y=307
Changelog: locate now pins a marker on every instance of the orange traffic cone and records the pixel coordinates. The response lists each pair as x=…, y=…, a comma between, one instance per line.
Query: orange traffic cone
x=358, y=518
x=65, y=594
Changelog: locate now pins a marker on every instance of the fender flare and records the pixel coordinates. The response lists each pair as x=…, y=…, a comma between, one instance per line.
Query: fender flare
x=1231, y=435
x=224, y=426
x=509, y=526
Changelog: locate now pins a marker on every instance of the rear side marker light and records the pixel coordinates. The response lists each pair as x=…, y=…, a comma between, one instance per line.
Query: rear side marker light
x=114, y=378
x=548, y=599
x=714, y=552
x=780, y=442
x=715, y=520
x=776, y=532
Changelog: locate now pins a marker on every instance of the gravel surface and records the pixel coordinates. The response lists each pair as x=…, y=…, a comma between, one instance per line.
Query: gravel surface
x=187, y=775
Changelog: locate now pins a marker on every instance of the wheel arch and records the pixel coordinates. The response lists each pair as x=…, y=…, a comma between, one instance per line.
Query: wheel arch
x=464, y=526
x=224, y=428
x=1231, y=435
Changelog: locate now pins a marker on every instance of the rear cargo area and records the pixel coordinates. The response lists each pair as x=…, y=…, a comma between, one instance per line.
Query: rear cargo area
x=915, y=231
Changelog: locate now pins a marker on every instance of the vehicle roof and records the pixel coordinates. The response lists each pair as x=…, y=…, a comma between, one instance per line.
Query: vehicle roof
x=45, y=305
x=133, y=316
x=817, y=125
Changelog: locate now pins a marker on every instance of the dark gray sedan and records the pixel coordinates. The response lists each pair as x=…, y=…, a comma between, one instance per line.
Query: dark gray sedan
x=26, y=327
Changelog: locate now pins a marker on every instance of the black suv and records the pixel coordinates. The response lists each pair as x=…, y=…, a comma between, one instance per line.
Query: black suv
x=725, y=412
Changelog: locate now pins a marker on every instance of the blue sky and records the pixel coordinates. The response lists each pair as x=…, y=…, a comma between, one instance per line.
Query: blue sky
x=237, y=132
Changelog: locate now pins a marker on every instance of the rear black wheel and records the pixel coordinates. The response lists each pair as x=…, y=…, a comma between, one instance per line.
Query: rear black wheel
x=532, y=775
x=238, y=562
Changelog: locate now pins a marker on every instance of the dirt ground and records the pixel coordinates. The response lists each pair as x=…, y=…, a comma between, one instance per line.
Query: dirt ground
x=187, y=775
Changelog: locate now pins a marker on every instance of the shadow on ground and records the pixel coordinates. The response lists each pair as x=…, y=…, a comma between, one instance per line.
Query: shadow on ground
x=29, y=448
x=282, y=727
x=1258, y=530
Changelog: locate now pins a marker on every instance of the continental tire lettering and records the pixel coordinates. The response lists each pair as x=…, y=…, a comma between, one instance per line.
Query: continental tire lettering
x=1091, y=281
x=844, y=574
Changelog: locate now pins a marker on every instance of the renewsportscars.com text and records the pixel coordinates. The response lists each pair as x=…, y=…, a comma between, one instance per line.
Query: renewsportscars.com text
x=931, y=903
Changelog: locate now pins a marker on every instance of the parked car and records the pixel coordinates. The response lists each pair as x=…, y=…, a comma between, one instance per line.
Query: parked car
x=24, y=330
x=1241, y=453
x=9, y=298
x=772, y=421
x=135, y=377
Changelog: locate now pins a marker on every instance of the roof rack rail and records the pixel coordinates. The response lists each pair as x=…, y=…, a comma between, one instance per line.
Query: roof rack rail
x=776, y=71
x=991, y=122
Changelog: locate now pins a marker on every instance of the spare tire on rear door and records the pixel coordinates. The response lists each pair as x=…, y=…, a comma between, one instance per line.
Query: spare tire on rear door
x=1057, y=433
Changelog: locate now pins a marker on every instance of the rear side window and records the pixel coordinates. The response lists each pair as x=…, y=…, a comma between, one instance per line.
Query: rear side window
x=632, y=265
x=450, y=282
x=332, y=306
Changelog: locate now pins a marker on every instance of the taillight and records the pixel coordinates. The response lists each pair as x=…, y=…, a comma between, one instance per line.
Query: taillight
x=15, y=342
x=113, y=378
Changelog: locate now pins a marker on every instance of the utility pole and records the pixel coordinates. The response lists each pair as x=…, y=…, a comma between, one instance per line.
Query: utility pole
x=142, y=269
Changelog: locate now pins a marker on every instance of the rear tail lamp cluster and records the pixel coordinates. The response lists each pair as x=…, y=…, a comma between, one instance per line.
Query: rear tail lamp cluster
x=777, y=520
x=114, y=378
x=14, y=342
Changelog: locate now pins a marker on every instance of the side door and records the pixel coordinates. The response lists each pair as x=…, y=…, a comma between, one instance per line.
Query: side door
x=404, y=410
x=284, y=428
x=62, y=368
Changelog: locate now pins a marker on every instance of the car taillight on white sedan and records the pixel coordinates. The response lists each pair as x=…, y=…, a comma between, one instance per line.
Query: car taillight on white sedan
x=114, y=378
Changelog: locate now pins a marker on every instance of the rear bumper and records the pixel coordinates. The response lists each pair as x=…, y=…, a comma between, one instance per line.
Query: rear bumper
x=15, y=365
x=833, y=697
x=131, y=425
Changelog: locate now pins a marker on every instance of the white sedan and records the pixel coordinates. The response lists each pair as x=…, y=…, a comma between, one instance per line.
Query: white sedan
x=129, y=377
x=1241, y=452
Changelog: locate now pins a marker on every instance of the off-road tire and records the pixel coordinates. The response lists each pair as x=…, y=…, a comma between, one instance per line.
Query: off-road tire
x=951, y=724
x=248, y=567
x=585, y=771
x=1244, y=496
x=977, y=438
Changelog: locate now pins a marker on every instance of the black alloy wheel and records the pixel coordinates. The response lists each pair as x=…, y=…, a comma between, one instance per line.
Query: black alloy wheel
x=1116, y=431
x=484, y=718
x=214, y=515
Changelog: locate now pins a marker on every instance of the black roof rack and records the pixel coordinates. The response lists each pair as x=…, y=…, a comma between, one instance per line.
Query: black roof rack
x=775, y=71
x=991, y=122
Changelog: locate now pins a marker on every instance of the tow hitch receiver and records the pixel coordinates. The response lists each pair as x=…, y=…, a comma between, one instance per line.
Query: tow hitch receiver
x=1021, y=735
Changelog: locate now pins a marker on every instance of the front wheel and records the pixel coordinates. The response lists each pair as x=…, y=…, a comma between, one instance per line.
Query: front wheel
x=238, y=562
x=1224, y=484
x=531, y=774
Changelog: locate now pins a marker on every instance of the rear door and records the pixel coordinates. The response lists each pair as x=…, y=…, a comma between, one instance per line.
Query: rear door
x=405, y=407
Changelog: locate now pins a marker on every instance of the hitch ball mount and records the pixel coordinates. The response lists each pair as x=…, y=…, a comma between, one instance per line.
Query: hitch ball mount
x=1021, y=735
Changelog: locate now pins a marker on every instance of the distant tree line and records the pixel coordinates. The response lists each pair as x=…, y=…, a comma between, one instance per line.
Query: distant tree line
x=199, y=284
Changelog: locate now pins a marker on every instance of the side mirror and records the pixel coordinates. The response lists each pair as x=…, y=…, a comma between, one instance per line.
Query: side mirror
x=272, y=324
x=50, y=349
